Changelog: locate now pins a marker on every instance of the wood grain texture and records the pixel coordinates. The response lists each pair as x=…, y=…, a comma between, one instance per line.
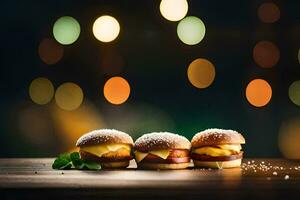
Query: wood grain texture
x=262, y=178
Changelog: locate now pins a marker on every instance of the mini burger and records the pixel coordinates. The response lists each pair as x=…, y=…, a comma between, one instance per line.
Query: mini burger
x=162, y=150
x=217, y=148
x=111, y=148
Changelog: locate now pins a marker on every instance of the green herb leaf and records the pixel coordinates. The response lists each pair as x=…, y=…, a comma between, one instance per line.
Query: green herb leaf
x=67, y=161
x=77, y=162
x=65, y=156
x=61, y=163
x=92, y=165
x=75, y=156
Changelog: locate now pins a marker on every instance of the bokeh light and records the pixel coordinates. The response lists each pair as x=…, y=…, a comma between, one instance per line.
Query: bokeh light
x=41, y=90
x=201, y=73
x=268, y=13
x=66, y=30
x=106, y=28
x=173, y=10
x=191, y=30
x=266, y=54
x=69, y=96
x=50, y=51
x=258, y=92
x=289, y=137
x=116, y=90
x=294, y=92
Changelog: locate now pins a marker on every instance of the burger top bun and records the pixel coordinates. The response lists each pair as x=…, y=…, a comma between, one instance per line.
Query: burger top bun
x=161, y=140
x=217, y=136
x=104, y=136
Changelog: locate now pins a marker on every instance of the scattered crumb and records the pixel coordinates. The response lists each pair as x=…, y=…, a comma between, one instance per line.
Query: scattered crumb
x=62, y=173
x=35, y=172
x=275, y=173
x=268, y=178
x=286, y=177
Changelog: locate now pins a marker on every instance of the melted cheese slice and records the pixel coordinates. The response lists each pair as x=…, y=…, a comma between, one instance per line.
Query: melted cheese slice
x=223, y=150
x=233, y=147
x=99, y=150
x=160, y=153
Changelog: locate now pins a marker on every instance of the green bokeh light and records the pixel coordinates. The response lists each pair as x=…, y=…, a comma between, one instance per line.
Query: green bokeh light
x=191, y=30
x=66, y=30
x=294, y=92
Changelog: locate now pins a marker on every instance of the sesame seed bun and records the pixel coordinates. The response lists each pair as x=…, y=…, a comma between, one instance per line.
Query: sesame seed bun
x=217, y=136
x=104, y=136
x=218, y=164
x=160, y=141
x=160, y=166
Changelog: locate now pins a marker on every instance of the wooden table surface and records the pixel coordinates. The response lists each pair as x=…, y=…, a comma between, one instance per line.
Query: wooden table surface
x=258, y=178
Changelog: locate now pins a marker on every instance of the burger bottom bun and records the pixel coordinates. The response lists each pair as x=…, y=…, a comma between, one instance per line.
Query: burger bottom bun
x=163, y=166
x=111, y=165
x=218, y=164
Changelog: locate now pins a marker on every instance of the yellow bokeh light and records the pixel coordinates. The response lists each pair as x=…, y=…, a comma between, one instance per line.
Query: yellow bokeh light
x=41, y=90
x=266, y=54
x=116, y=90
x=288, y=139
x=50, y=51
x=69, y=96
x=258, y=92
x=106, y=28
x=201, y=73
x=268, y=13
x=173, y=10
x=294, y=92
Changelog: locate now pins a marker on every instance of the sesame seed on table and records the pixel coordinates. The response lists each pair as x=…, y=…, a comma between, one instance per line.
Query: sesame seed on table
x=259, y=178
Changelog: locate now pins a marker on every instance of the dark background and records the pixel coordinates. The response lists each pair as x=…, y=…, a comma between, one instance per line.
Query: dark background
x=155, y=64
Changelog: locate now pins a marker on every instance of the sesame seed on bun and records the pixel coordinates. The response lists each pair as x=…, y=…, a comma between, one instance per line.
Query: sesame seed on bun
x=216, y=137
x=161, y=140
x=104, y=136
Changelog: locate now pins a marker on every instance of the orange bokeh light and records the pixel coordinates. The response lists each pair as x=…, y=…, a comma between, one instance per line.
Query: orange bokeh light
x=201, y=73
x=266, y=54
x=258, y=92
x=116, y=90
x=50, y=51
x=268, y=13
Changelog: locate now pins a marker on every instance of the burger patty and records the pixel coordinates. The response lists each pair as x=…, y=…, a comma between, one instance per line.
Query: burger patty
x=175, y=156
x=91, y=157
x=204, y=157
